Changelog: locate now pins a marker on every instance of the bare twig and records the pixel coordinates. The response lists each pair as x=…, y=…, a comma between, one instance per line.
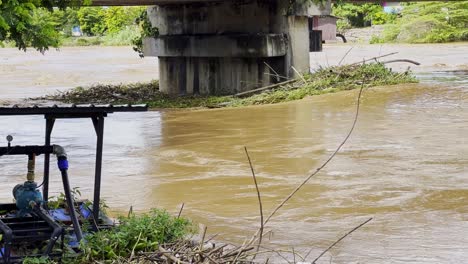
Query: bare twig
x=346, y=54
x=180, y=211
x=240, y=252
x=373, y=58
x=211, y=238
x=130, y=211
x=282, y=77
x=259, y=200
x=273, y=70
x=203, y=237
x=278, y=252
x=294, y=255
x=341, y=238
x=402, y=60
x=299, y=74
x=248, y=93
x=170, y=256
x=358, y=104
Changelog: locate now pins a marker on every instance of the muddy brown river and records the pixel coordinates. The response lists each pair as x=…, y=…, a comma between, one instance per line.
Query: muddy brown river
x=406, y=164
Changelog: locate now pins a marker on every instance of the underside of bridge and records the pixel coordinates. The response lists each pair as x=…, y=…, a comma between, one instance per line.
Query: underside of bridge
x=225, y=47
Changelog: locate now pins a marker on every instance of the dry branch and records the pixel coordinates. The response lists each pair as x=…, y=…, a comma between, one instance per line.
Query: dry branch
x=373, y=58
x=248, y=93
x=318, y=169
x=341, y=238
x=402, y=60
x=259, y=200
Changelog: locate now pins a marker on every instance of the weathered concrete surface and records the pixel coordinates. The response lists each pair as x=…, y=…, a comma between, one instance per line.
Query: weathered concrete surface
x=210, y=75
x=299, y=46
x=226, y=47
x=235, y=45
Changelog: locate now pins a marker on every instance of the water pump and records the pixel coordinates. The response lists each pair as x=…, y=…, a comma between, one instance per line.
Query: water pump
x=28, y=198
x=27, y=195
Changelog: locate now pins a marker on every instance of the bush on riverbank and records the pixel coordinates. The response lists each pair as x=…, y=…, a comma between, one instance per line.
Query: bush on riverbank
x=134, y=234
x=123, y=37
x=142, y=233
x=324, y=80
x=432, y=22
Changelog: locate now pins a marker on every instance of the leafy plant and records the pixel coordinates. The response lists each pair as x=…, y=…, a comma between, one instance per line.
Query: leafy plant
x=134, y=233
x=360, y=15
x=146, y=30
x=28, y=24
x=428, y=22
x=92, y=20
x=41, y=260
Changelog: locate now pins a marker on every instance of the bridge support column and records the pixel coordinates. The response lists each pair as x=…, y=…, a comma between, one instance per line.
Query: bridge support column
x=226, y=47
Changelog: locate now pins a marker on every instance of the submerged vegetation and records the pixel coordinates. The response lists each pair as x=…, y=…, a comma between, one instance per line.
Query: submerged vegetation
x=324, y=80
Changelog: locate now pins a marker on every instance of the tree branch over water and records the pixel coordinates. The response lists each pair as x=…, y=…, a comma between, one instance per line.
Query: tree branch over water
x=287, y=198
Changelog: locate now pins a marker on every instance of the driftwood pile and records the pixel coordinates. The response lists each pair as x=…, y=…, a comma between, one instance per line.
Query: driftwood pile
x=108, y=93
x=185, y=252
x=332, y=72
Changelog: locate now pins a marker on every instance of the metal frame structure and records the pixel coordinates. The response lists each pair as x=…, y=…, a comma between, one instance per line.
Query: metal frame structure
x=96, y=113
x=38, y=226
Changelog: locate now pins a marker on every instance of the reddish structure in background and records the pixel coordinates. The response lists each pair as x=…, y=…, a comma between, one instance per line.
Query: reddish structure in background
x=326, y=24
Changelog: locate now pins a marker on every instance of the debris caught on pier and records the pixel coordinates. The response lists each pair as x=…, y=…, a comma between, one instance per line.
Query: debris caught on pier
x=324, y=80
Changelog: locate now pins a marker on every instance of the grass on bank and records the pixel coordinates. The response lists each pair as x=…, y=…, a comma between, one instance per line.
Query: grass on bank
x=428, y=22
x=324, y=80
x=135, y=233
x=123, y=37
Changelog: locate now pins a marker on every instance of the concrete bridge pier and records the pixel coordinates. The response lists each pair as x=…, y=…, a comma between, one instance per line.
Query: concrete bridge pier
x=225, y=47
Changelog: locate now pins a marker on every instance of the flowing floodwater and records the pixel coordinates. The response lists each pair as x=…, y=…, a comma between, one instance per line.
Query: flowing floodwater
x=405, y=165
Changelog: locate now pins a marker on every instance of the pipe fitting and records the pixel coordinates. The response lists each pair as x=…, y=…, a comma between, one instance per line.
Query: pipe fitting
x=31, y=167
x=59, y=151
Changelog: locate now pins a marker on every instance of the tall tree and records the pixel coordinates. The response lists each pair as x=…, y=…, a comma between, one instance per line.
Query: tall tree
x=27, y=24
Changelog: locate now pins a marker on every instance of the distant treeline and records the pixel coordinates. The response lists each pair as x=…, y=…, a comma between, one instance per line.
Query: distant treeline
x=423, y=22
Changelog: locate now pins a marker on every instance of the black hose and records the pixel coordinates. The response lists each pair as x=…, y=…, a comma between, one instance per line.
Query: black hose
x=63, y=166
x=342, y=37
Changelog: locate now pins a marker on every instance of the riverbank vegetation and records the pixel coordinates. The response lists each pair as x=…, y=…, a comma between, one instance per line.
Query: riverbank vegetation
x=153, y=237
x=360, y=15
x=433, y=22
x=43, y=25
x=324, y=80
x=111, y=26
x=424, y=22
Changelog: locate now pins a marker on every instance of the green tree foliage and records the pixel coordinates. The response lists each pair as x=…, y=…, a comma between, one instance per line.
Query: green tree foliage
x=146, y=30
x=117, y=18
x=429, y=22
x=64, y=20
x=97, y=21
x=92, y=20
x=361, y=15
x=26, y=23
x=44, y=23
